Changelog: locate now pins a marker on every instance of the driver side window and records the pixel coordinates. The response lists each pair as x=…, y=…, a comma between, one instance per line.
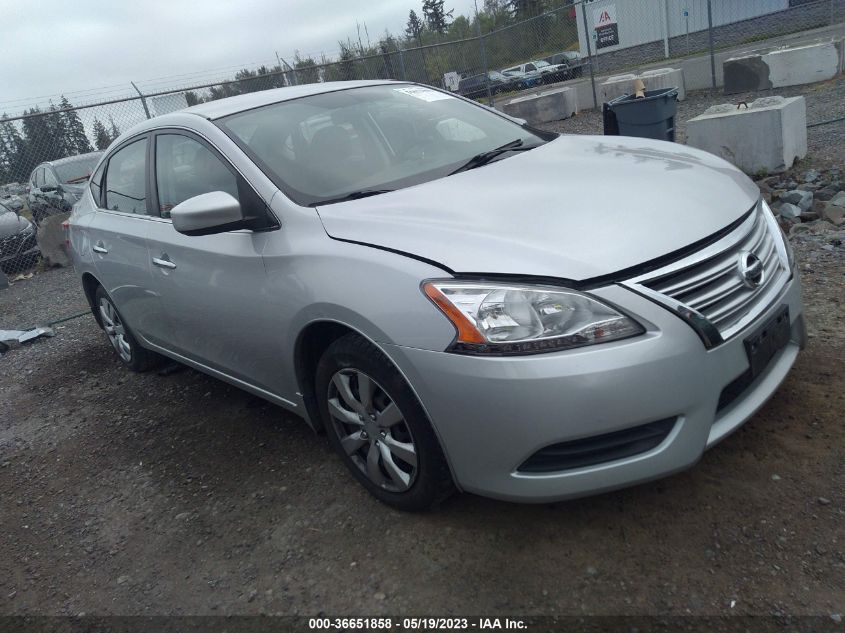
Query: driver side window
x=186, y=168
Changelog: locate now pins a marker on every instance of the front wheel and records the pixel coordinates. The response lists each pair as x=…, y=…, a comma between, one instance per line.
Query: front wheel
x=374, y=421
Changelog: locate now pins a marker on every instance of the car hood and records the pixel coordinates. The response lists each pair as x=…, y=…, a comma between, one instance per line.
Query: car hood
x=576, y=208
x=11, y=224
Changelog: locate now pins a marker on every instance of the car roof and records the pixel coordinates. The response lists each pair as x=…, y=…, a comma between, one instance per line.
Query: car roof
x=71, y=159
x=231, y=105
x=220, y=108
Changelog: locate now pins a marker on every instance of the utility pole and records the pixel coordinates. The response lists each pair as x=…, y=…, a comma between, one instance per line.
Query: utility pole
x=143, y=100
x=483, y=55
x=590, y=55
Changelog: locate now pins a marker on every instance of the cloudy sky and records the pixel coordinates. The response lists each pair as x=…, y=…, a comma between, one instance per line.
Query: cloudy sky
x=92, y=48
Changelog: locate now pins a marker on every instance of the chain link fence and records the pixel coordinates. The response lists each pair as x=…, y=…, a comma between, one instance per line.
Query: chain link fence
x=47, y=152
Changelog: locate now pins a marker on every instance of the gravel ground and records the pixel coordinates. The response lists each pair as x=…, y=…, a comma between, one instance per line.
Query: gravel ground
x=176, y=494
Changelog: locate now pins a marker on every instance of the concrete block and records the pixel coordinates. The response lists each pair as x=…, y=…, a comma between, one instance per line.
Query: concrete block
x=616, y=86
x=767, y=136
x=549, y=105
x=784, y=66
x=807, y=64
x=665, y=78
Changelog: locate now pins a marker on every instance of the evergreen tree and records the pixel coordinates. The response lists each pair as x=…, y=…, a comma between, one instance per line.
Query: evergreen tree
x=58, y=147
x=76, y=140
x=191, y=98
x=525, y=9
x=436, y=17
x=101, y=136
x=346, y=64
x=114, y=131
x=39, y=137
x=414, y=28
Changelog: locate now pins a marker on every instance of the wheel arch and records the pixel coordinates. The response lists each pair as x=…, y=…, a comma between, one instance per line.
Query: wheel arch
x=312, y=342
x=89, y=286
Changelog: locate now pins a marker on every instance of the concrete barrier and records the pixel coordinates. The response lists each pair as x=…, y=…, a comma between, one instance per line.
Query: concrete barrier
x=665, y=78
x=767, y=136
x=549, y=105
x=654, y=79
x=785, y=66
x=616, y=86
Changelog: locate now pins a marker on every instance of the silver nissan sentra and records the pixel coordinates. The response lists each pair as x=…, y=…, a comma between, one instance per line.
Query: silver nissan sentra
x=458, y=300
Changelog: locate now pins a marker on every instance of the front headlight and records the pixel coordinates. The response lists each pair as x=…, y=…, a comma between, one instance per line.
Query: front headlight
x=504, y=319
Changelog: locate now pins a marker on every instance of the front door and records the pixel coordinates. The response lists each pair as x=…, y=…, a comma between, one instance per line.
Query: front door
x=210, y=286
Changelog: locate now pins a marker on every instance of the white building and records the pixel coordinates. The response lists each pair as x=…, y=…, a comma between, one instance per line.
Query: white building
x=618, y=24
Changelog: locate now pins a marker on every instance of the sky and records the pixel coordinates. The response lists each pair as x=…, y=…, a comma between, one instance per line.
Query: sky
x=91, y=49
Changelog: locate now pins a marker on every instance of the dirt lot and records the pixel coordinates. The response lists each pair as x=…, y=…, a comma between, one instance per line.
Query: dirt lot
x=150, y=494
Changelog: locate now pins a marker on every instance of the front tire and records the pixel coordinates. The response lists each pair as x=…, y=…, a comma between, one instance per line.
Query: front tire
x=120, y=336
x=379, y=429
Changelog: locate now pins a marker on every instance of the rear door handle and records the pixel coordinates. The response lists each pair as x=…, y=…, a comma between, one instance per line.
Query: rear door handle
x=164, y=263
x=99, y=248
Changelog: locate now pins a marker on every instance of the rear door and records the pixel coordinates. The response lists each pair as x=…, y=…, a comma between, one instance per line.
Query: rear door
x=211, y=286
x=117, y=235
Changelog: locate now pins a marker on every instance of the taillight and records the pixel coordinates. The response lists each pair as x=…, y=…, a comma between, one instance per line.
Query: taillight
x=66, y=229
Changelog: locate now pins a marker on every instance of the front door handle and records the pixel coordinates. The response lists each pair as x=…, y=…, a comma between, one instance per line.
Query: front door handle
x=99, y=248
x=164, y=263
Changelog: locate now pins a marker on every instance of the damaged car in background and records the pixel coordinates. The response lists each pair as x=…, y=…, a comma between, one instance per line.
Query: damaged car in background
x=18, y=246
x=55, y=186
x=458, y=300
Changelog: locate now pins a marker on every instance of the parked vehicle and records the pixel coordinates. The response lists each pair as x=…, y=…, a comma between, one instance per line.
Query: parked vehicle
x=571, y=59
x=457, y=300
x=55, y=186
x=18, y=247
x=475, y=86
x=524, y=78
x=12, y=203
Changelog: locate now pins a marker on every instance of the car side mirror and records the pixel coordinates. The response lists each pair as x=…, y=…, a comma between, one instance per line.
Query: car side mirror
x=208, y=213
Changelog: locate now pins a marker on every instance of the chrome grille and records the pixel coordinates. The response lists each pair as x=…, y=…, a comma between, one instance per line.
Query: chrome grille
x=710, y=283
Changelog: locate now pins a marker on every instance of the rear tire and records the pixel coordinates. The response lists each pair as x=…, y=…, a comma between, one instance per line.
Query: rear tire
x=379, y=429
x=120, y=336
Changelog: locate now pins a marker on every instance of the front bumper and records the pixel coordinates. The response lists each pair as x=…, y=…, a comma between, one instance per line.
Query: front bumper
x=491, y=414
x=18, y=247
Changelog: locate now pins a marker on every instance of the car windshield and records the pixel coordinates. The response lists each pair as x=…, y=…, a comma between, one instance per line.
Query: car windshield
x=368, y=140
x=76, y=169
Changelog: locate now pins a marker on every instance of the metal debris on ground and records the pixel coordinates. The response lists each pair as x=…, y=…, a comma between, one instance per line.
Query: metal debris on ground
x=22, y=336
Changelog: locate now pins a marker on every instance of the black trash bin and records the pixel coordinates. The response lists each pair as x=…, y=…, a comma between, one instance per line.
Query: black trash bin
x=652, y=116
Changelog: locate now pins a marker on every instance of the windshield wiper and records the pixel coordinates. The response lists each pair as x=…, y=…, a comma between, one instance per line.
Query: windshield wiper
x=353, y=195
x=485, y=157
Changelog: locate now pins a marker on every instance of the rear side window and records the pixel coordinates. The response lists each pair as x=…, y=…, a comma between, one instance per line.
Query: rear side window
x=49, y=178
x=96, y=184
x=125, y=179
x=38, y=177
x=186, y=168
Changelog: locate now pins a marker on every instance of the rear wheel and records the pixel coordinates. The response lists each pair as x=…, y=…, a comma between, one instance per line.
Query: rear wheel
x=378, y=427
x=120, y=336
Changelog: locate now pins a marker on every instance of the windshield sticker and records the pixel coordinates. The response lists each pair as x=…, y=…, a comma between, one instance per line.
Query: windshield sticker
x=426, y=94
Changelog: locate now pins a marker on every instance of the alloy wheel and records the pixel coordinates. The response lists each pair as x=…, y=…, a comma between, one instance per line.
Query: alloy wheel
x=115, y=330
x=372, y=430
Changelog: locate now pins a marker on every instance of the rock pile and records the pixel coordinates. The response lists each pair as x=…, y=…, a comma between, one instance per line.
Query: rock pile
x=809, y=204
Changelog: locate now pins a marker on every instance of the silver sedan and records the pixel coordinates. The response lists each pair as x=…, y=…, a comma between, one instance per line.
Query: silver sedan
x=458, y=300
